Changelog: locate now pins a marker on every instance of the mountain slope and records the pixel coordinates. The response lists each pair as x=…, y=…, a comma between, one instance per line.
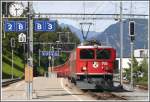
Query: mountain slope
x=112, y=35
x=78, y=32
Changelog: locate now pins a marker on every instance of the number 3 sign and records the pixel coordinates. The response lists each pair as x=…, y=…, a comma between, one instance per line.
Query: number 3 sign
x=41, y=25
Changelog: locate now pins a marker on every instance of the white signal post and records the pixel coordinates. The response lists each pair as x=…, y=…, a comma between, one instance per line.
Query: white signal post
x=12, y=65
x=132, y=35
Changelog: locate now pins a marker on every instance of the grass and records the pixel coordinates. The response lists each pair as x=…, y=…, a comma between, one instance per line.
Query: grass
x=18, y=70
x=7, y=71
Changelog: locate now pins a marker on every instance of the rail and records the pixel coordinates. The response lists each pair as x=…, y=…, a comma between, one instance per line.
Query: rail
x=7, y=82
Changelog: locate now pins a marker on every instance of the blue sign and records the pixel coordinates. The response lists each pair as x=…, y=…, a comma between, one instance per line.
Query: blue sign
x=38, y=25
x=43, y=25
x=21, y=26
x=50, y=53
x=10, y=26
x=50, y=26
x=15, y=26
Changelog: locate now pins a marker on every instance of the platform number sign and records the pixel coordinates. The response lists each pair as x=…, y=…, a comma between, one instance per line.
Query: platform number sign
x=48, y=26
x=38, y=25
x=15, y=26
x=10, y=26
x=20, y=26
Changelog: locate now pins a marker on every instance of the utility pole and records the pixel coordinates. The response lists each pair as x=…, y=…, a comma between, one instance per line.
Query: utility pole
x=59, y=34
x=121, y=42
x=49, y=67
x=30, y=52
x=131, y=32
x=6, y=9
x=68, y=36
x=39, y=57
x=131, y=83
x=52, y=59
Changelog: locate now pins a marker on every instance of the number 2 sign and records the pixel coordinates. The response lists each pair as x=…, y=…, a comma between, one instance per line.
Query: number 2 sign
x=18, y=26
x=10, y=26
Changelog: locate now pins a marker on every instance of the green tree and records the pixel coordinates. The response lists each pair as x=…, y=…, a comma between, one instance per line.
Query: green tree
x=138, y=70
x=143, y=67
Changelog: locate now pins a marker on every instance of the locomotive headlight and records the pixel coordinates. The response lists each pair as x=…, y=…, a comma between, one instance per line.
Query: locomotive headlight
x=84, y=68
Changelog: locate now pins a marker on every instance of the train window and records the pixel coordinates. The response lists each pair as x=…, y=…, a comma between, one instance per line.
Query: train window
x=103, y=54
x=86, y=54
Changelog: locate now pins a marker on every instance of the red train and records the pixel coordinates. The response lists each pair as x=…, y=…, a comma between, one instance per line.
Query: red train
x=89, y=67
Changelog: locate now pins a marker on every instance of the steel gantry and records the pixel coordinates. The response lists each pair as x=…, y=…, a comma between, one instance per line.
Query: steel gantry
x=86, y=16
x=89, y=16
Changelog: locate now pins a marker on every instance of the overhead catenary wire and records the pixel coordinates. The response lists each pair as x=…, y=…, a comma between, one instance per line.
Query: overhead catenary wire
x=98, y=7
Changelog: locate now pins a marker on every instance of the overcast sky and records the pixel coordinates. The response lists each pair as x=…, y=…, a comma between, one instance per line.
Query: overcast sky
x=90, y=7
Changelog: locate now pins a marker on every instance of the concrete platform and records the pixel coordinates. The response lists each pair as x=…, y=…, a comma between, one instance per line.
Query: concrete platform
x=44, y=89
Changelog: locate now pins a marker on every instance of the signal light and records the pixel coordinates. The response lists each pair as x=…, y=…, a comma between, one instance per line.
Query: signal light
x=131, y=28
x=12, y=42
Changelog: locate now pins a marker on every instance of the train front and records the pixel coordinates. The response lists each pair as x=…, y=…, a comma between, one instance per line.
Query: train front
x=94, y=66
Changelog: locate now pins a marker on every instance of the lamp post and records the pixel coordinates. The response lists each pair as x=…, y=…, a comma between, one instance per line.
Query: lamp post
x=58, y=46
x=52, y=48
x=49, y=65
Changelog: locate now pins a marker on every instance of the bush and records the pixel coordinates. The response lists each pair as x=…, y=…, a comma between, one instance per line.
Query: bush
x=137, y=70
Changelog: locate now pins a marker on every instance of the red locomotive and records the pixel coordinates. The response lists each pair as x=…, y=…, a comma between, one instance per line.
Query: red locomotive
x=89, y=66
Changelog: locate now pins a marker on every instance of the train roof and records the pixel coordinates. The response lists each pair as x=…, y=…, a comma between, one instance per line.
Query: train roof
x=90, y=46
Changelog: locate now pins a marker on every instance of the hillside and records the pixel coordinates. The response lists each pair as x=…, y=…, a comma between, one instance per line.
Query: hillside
x=78, y=32
x=112, y=35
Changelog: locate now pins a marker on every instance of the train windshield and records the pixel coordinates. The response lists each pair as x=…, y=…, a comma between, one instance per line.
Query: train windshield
x=103, y=54
x=86, y=54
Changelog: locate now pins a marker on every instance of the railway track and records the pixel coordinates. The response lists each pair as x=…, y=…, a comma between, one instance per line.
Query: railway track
x=117, y=93
x=103, y=95
x=97, y=93
x=9, y=81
